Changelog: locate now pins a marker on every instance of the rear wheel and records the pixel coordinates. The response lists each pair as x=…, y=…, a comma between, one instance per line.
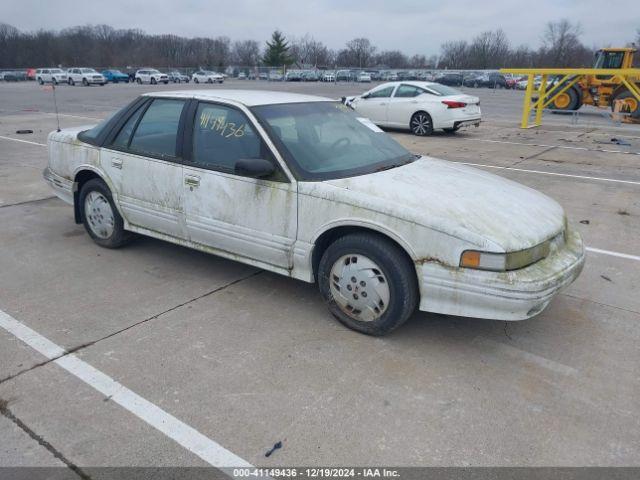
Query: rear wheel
x=631, y=104
x=421, y=124
x=100, y=216
x=195, y=80
x=70, y=82
x=368, y=283
x=85, y=82
x=569, y=100
x=40, y=81
x=54, y=81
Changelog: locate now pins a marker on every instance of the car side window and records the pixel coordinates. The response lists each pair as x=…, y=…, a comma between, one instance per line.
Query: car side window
x=124, y=135
x=223, y=135
x=382, y=93
x=157, y=131
x=408, y=91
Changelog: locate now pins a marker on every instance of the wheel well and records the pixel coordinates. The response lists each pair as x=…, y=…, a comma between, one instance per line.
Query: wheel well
x=327, y=238
x=82, y=177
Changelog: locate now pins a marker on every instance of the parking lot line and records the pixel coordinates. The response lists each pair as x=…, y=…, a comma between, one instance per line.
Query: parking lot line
x=613, y=254
x=186, y=436
x=601, y=179
x=23, y=141
x=565, y=147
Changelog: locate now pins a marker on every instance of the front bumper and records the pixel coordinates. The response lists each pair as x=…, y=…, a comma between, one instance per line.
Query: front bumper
x=514, y=295
x=62, y=187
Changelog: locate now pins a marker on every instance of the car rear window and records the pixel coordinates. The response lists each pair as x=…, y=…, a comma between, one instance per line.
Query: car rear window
x=158, y=130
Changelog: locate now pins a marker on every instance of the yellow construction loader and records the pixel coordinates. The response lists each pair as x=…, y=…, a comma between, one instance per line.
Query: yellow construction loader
x=613, y=82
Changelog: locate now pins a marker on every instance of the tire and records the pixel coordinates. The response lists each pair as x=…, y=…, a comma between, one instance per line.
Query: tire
x=631, y=101
x=385, y=282
x=195, y=80
x=70, y=81
x=40, y=81
x=421, y=124
x=568, y=101
x=84, y=82
x=139, y=80
x=54, y=81
x=100, y=217
x=209, y=80
x=153, y=81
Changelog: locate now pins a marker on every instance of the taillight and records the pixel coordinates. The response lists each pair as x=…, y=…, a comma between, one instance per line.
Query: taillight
x=454, y=104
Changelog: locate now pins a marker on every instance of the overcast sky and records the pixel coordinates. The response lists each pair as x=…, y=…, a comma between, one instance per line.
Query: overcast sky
x=413, y=26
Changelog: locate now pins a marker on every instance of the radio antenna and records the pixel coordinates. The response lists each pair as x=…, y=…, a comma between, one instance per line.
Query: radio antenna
x=55, y=105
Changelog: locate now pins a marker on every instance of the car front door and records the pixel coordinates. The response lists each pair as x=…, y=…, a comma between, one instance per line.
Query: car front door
x=403, y=105
x=239, y=216
x=143, y=163
x=374, y=104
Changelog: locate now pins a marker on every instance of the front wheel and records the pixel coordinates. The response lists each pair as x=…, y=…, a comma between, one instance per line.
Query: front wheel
x=368, y=283
x=631, y=103
x=153, y=81
x=421, y=124
x=195, y=80
x=85, y=82
x=100, y=216
x=139, y=80
x=55, y=82
x=70, y=82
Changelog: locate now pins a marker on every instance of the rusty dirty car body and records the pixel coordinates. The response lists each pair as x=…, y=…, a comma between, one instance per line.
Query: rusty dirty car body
x=301, y=186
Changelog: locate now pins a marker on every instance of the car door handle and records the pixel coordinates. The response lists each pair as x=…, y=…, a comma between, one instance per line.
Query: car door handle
x=192, y=180
x=116, y=163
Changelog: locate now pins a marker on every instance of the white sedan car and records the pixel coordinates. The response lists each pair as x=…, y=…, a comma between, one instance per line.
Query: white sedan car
x=207, y=76
x=85, y=76
x=302, y=186
x=421, y=107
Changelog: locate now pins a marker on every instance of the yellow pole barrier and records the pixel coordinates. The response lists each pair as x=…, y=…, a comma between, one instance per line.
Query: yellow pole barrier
x=541, y=98
x=527, y=102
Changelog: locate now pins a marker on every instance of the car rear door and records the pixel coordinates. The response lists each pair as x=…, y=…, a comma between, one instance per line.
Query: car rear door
x=406, y=100
x=254, y=219
x=142, y=159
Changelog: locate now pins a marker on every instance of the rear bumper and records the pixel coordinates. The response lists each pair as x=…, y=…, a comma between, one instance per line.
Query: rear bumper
x=515, y=295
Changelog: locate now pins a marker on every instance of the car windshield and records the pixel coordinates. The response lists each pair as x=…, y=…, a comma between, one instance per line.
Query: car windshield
x=443, y=89
x=55, y=70
x=88, y=70
x=324, y=140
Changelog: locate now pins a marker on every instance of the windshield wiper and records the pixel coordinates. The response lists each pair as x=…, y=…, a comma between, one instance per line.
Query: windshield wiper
x=389, y=167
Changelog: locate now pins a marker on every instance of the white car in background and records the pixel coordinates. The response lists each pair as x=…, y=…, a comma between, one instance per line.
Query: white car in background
x=364, y=77
x=152, y=76
x=51, y=75
x=328, y=77
x=207, y=76
x=85, y=76
x=421, y=107
x=300, y=185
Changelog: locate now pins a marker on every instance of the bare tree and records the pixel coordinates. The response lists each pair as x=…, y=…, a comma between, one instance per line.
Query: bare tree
x=454, y=54
x=392, y=59
x=246, y=53
x=359, y=52
x=561, y=42
x=488, y=50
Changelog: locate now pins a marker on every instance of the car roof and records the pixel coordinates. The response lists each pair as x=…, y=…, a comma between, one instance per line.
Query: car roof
x=248, y=98
x=415, y=83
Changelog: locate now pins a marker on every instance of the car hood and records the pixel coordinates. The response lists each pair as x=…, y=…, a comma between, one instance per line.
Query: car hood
x=487, y=210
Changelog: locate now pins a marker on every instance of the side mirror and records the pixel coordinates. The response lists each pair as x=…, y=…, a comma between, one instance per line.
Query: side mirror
x=254, y=167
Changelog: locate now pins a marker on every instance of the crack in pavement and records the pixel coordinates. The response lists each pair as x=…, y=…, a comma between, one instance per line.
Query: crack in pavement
x=534, y=155
x=26, y=202
x=117, y=332
x=6, y=412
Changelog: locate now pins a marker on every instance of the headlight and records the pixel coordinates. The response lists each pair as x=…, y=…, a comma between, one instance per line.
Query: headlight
x=502, y=262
